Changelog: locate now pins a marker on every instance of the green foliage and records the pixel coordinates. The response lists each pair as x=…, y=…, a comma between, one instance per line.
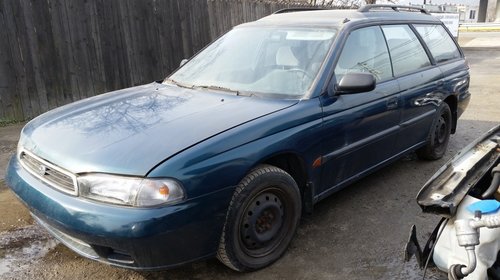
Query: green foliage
x=6, y=122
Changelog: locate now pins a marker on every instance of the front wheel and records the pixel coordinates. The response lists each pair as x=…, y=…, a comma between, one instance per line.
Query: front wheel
x=439, y=136
x=261, y=220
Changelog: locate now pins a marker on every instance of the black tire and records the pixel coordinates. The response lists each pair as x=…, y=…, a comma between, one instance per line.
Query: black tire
x=261, y=220
x=439, y=136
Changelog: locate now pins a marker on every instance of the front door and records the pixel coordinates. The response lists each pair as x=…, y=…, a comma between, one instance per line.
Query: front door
x=360, y=129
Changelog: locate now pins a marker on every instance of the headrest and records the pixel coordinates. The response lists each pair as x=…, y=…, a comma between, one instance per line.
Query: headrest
x=285, y=57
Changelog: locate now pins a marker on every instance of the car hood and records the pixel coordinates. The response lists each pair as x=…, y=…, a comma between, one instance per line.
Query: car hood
x=447, y=188
x=130, y=131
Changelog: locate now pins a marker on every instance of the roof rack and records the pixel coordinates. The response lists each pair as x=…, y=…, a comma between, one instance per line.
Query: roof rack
x=396, y=8
x=291, y=10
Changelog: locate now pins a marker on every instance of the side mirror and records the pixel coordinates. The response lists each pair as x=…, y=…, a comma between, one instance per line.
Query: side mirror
x=183, y=62
x=355, y=83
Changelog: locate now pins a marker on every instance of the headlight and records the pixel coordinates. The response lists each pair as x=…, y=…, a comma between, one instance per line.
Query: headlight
x=130, y=191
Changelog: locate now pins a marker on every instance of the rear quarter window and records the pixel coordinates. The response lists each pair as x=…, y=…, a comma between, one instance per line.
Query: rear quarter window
x=438, y=41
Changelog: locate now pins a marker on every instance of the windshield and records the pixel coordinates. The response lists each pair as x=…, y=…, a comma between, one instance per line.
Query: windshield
x=267, y=61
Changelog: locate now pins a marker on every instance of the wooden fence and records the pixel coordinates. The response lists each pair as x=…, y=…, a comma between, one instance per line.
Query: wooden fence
x=53, y=52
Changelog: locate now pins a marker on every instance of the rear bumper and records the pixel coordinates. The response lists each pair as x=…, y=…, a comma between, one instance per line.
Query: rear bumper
x=143, y=239
x=462, y=103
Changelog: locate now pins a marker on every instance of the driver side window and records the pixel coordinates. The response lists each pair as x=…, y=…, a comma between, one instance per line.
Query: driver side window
x=365, y=51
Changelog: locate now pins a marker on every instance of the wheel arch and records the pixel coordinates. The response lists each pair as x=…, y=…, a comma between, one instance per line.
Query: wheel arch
x=453, y=104
x=294, y=164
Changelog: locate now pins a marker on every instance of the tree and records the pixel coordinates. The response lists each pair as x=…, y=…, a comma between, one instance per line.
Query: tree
x=337, y=3
x=347, y=3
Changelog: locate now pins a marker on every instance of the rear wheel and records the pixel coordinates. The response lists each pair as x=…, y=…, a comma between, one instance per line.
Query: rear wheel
x=261, y=219
x=439, y=137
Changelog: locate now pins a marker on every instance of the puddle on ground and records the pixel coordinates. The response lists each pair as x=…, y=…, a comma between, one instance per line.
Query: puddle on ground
x=20, y=247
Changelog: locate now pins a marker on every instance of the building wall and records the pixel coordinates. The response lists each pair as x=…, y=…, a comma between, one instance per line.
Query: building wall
x=490, y=14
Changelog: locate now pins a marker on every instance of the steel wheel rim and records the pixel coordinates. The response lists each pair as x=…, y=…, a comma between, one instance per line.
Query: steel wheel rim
x=264, y=222
x=441, y=131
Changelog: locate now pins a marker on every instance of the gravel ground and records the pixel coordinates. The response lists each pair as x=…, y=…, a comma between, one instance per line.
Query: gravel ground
x=358, y=233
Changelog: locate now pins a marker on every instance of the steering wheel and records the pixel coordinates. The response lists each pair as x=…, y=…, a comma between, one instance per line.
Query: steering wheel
x=304, y=73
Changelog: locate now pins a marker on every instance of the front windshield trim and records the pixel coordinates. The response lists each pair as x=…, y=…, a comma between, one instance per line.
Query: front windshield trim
x=306, y=93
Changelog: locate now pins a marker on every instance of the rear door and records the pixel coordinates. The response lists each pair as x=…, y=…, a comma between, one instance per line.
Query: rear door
x=449, y=60
x=420, y=83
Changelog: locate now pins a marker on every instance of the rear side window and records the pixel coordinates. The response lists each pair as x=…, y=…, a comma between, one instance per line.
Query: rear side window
x=407, y=53
x=438, y=41
x=365, y=51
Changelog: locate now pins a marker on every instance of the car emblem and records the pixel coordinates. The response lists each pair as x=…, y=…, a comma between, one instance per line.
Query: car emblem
x=42, y=170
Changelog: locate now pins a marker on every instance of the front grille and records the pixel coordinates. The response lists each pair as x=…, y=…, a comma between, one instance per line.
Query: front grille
x=49, y=173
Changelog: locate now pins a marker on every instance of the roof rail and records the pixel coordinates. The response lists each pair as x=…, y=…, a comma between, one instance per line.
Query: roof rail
x=396, y=8
x=300, y=9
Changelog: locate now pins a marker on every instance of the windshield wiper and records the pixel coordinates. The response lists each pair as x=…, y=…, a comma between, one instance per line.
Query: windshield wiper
x=178, y=84
x=221, y=89
x=213, y=87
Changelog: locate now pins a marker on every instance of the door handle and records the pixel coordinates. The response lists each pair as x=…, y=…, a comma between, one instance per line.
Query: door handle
x=440, y=83
x=392, y=103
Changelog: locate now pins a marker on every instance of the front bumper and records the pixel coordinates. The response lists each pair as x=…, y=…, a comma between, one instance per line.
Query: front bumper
x=446, y=189
x=154, y=238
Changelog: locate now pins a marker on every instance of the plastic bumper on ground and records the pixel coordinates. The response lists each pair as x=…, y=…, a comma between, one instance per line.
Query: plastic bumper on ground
x=155, y=238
